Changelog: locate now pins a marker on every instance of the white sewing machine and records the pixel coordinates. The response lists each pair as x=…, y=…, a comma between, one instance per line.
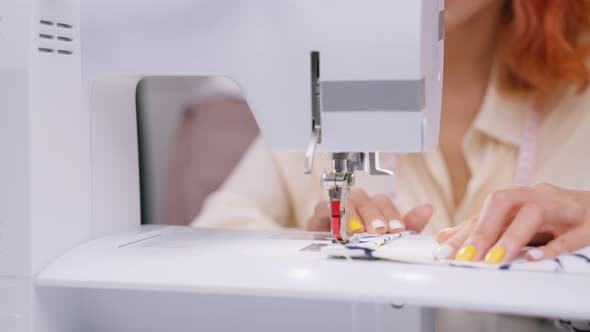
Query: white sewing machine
x=73, y=256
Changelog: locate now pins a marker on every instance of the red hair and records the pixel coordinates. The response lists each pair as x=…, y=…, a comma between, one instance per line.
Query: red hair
x=541, y=46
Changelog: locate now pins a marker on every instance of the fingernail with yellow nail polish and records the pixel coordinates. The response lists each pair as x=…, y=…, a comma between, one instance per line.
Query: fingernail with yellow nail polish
x=495, y=256
x=355, y=225
x=466, y=253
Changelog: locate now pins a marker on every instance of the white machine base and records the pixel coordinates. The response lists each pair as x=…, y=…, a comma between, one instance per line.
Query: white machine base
x=185, y=279
x=224, y=280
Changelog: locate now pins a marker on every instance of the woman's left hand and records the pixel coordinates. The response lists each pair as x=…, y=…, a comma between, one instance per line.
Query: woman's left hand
x=511, y=219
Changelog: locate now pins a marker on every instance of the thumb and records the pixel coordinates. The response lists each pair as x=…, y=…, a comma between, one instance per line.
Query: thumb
x=417, y=218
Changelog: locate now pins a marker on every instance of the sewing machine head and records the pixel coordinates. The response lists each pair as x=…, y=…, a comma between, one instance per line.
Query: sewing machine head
x=344, y=77
x=367, y=73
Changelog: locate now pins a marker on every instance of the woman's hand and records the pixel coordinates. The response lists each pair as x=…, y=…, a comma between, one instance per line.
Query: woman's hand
x=510, y=219
x=376, y=214
x=320, y=220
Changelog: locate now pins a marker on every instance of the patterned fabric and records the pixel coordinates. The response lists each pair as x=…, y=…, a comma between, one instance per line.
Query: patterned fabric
x=575, y=326
x=412, y=248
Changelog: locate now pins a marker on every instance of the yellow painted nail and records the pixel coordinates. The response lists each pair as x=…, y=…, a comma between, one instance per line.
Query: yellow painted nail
x=355, y=225
x=495, y=256
x=466, y=254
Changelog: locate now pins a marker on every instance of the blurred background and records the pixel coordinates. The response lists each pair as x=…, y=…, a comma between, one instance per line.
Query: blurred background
x=192, y=133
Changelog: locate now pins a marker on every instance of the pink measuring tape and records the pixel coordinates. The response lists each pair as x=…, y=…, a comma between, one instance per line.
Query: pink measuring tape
x=526, y=155
x=528, y=148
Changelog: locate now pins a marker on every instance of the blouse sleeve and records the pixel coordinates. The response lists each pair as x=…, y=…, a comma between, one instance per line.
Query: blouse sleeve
x=253, y=196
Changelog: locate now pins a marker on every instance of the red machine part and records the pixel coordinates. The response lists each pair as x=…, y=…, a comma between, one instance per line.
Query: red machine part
x=335, y=204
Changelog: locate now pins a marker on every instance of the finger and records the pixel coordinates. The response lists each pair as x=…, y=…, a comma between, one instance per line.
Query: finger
x=369, y=213
x=566, y=243
x=320, y=220
x=352, y=219
x=322, y=209
x=521, y=230
x=541, y=239
x=499, y=208
x=447, y=233
x=315, y=224
x=394, y=223
x=448, y=249
x=417, y=218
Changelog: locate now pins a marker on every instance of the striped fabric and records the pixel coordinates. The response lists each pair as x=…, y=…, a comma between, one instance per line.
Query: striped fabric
x=410, y=247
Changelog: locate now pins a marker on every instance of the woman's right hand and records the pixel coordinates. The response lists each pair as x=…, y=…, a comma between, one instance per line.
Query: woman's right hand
x=372, y=214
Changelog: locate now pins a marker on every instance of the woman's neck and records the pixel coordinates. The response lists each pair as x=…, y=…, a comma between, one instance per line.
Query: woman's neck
x=469, y=55
x=470, y=48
